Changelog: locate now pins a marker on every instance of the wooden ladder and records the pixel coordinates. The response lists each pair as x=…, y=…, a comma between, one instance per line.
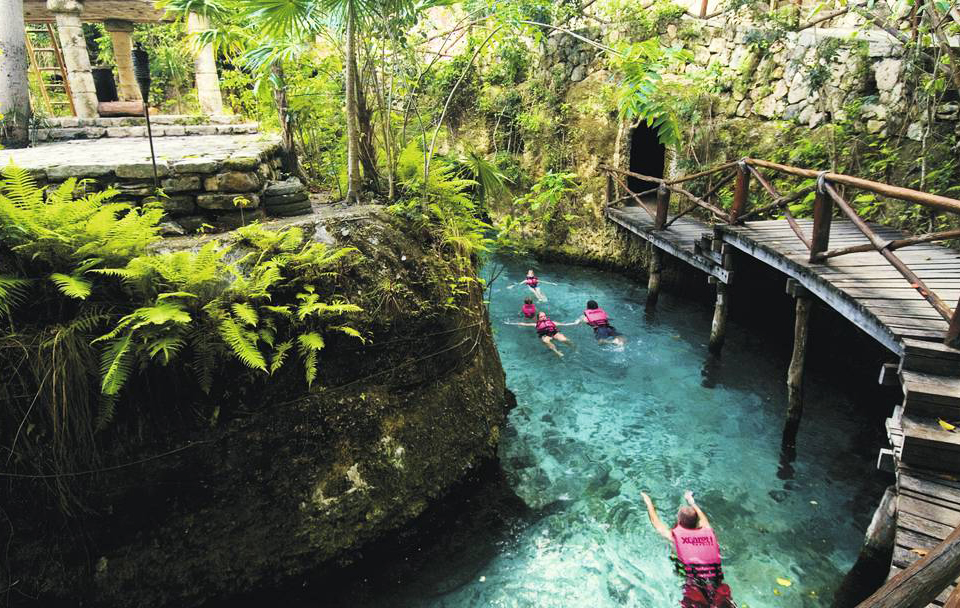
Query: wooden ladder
x=49, y=88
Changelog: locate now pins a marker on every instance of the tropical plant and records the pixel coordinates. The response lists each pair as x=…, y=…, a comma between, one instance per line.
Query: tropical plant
x=79, y=283
x=644, y=93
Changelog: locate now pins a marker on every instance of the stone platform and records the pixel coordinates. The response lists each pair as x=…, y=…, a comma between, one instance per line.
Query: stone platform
x=162, y=125
x=200, y=176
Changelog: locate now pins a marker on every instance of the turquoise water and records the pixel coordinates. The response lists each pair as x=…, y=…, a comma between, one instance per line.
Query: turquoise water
x=593, y=429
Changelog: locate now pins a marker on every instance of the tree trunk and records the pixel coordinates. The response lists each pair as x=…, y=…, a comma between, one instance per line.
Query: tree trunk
x=366, y=151
x=288, y=152
x=14, y=90
x=353, y=138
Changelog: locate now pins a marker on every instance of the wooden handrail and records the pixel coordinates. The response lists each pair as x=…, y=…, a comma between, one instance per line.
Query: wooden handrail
x=826, y=197
x=903, y=194
x=896, y=262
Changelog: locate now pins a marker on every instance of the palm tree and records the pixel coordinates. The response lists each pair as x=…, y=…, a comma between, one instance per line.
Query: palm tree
x=14, y=90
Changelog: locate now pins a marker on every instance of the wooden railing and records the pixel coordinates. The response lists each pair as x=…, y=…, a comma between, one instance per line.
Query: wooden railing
x=826, y=199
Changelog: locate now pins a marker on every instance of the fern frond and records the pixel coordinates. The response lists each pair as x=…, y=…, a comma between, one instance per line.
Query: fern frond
x=72, y=286
x=241, y=345
x=279, y=355
x=116, y=362
x=349, y=331
x=204, y=358
x=167, y=347
x=246, y=313
x=13, y=292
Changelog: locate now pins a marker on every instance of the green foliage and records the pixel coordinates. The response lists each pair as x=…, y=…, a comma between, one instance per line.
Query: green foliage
x=442, y=200
x=643, y=94
x=544, y=210
x=87, y=258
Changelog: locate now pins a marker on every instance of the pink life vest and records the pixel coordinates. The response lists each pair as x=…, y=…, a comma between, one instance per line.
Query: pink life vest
x=546, y=327
x=532, y=281
x=529, y=311
x=698, y=551
x=596, y=317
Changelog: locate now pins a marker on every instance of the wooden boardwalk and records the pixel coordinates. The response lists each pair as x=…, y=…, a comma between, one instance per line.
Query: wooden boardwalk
x=867, y=290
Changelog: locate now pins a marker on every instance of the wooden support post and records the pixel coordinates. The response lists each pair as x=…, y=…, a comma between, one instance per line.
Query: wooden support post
x=953, y=331
x=822, y=219
x=718, y=328
x=610, y=190
x=703, y=9
x=663, y=206
x=795, y=371
x=741, y=191
x=653, y=283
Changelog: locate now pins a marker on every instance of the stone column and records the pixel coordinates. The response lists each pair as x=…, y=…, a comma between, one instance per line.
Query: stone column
x=208, y=83
x=74, y=47
x=122, y=45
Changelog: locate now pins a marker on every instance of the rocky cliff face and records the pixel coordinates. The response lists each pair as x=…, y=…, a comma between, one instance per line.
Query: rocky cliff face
x=290, y=482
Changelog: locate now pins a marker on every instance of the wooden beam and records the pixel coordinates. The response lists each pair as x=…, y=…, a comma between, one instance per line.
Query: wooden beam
x=741, y=191
x=795, y=372
x=953, y=332
x=822, y=221
x=922, y=581
x=892, y=245
x=718, y=327
x=653, y=280
x=663, y=207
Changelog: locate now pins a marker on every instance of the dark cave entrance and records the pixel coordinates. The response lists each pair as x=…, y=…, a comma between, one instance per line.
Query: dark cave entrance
x=647, y=157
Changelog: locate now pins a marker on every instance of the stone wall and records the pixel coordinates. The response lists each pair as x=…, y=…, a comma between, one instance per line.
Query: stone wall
x=201, y=177
x=811, y=77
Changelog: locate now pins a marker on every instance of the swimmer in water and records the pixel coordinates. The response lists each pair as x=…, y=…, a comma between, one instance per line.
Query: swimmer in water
x=596, y=317
x=533, y=283
x=547, y=332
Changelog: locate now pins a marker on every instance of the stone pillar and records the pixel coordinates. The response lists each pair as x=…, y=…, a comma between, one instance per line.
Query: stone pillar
x=74, y=47
x=208, y=83
x=122, y=45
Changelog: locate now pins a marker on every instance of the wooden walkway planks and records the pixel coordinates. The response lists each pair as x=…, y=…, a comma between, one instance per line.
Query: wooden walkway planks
x=679, y=239
x=863, y=287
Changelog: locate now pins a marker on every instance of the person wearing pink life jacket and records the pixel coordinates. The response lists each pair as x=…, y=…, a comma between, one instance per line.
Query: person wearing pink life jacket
x=529, y=311
x=533, y=283
x=603, y=331
x=547, y=332
x=697, y=555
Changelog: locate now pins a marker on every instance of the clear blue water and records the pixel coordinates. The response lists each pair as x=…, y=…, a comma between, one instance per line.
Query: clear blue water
x=595, y=428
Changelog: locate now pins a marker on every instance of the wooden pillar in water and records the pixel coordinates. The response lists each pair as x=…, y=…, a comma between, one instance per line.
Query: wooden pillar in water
x=653, y=282
x=795, y=371
x=718, y=328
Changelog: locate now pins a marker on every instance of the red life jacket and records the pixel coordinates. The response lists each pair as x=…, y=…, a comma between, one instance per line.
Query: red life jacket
x=546, y=327
x=529, y=311
x=532, y=281
x=596, y=317
x=698, y=552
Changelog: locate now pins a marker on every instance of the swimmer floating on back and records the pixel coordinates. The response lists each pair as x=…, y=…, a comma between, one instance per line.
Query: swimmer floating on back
x=534, y=284
x=547, y=332
x=596, y=317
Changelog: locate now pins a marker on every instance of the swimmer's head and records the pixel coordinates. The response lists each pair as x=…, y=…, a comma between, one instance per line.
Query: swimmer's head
x=530, y=272
x=687, y=517
x=592, y=304
x=542, y=315
x=528, y=301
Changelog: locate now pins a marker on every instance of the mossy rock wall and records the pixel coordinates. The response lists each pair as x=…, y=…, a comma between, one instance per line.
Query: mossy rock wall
x=285, y=483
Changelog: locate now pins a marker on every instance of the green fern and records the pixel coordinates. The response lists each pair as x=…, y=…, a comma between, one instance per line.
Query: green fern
x=245, y=313
x=13, y=292
x=243, y=344
x=72, y=286
x=116, y=362
x=310, y=344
